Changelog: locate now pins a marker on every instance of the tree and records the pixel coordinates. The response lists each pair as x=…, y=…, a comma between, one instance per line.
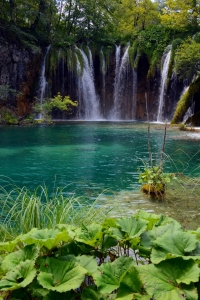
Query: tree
x=136, y=14
x=181, y=14
x=187, y=59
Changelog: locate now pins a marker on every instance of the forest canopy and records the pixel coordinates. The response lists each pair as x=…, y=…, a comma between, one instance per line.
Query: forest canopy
x=98, y=20
x=149, y=27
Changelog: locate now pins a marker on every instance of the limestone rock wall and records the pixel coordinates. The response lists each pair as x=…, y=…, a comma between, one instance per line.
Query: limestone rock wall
x=19, y=69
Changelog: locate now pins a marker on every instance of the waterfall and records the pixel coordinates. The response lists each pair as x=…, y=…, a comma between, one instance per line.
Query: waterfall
x=189, y=113
x=103, y=72
x=134, y=94
x=121, y=70
x=86, y=88
x=164, y=74
x=42, y=81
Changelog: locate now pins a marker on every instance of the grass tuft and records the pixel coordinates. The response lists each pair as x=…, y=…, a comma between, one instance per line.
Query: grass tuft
x=22, y=210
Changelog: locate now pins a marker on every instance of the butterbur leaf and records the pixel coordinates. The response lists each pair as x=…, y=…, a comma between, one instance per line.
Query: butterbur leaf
x=111, y=274
x=89, y=263
x=109, y=222
x=132, y=227
x=89, y=293
x=69, y=248
x=117, y=233
x=107, y=243
x=90, y=235
x=173, y=244
x=149, y=217
x=9, y=246
x=29, y=252
x=48, y=238
x=171, y=279
x=60, y=276
x=22, y=275
x=148, y=238
x=37, y=290
x=129, y=285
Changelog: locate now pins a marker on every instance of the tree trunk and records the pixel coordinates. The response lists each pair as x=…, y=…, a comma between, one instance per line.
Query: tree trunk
x=12, y=11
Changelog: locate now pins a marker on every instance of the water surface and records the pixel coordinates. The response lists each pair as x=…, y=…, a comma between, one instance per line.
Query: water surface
x=92, y=158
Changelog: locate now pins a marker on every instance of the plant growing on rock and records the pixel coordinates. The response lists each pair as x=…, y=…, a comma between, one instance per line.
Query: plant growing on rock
x=46, y=108
x=154, y=180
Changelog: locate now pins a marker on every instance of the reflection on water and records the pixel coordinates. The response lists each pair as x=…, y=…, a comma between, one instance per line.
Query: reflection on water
x=92, y=158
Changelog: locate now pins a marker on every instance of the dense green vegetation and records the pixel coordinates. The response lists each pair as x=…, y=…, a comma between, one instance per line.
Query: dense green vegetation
x=123, y=258
x=63, y=23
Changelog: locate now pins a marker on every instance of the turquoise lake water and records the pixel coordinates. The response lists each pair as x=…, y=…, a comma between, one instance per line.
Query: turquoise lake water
x=102, y=158
x=87, y=156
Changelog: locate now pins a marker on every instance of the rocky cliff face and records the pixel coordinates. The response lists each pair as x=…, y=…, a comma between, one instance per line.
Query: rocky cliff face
x=19, y=70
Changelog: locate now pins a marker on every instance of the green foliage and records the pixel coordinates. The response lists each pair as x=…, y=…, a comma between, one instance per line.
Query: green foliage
x=22, y=210
x=175, y=44
x=58, y=102
x=187, y=60
x=152, y=41
x=185, y=101
x=142, y=268
x=154, y=180
x=8, y=116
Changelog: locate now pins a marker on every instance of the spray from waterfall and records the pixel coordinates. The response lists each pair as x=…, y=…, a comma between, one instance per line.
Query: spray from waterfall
x=42, y=81
x=86, y=89
x=166, y=58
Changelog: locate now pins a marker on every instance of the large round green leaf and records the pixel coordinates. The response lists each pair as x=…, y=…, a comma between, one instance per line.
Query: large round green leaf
x=130, y=285
x=29, y=252
x=89, y=235
x=132, y=227
x=173, y=244
x=171, y=279
x=48, y=238
x=90, y=293
x=22, y=275
x=60, y=276
x=149, y=237
x=111, y=274
x=9, y=246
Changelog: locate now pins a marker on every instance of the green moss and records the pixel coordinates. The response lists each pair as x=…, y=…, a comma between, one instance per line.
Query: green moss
x=185, y=101
x=133, y=53
x=175, y=45
x=182, y=107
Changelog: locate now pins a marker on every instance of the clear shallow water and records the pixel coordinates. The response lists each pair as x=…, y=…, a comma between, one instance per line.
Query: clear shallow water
x=90, y=157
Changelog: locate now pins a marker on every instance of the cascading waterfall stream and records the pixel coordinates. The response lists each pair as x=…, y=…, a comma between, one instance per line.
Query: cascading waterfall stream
x=42, y=81
x=163, y=83
x=120, y=77
x=86, y=88
x=103, y=72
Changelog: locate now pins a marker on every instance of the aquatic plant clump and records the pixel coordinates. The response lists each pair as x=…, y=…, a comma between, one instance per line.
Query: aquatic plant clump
x=154, y=181
x=119, y=258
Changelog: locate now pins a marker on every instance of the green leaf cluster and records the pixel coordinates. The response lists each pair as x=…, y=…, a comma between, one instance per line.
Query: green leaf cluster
x=155, y=180
x=124, y=258
x=58, y=102
x=187, y=59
